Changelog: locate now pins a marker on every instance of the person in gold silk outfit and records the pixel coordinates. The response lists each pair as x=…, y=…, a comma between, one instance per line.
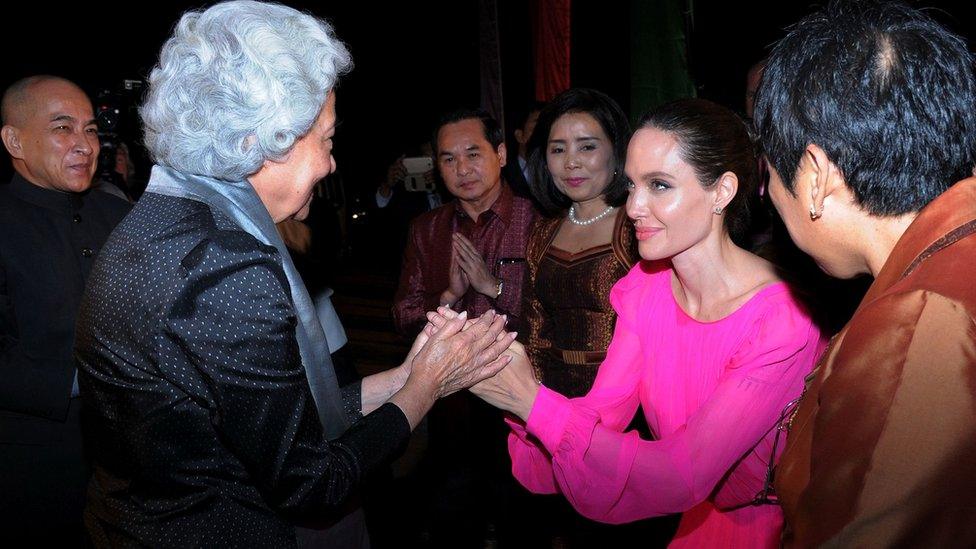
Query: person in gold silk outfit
x=866, y=116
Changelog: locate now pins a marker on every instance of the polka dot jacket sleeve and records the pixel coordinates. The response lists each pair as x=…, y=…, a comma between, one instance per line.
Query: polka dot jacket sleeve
x=229, y=342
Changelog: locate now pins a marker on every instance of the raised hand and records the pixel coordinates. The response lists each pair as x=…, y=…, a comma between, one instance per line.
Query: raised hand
x=456, y=357
x=514, y=388
x=458, y=283
x=440, y=317
x=396, y=172
x=418, y=344
x=474, y=267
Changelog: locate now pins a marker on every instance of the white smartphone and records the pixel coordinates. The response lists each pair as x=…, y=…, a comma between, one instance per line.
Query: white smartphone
x=418, y=164
x=418, y=182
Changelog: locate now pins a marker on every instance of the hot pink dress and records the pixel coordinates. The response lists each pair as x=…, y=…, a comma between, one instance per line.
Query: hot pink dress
x=712, y=393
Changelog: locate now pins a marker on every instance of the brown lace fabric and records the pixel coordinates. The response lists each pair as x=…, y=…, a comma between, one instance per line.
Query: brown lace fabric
x=566, y=304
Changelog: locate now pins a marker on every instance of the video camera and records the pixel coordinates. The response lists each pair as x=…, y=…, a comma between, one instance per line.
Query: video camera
x=117, y=116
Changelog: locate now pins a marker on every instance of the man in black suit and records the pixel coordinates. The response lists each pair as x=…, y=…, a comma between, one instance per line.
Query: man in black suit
x=396, y=206
x=517, y=173
x=51, y=228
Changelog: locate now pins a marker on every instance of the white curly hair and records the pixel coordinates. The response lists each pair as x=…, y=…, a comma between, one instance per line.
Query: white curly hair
x=238, y=84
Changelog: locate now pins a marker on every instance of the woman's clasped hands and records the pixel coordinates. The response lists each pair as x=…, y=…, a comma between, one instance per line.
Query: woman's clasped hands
x=514, y=387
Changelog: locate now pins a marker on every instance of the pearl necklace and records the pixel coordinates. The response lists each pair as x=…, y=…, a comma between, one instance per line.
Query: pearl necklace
x=577, y=221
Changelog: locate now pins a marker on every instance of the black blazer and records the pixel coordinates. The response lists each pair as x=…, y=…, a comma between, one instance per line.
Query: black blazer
x=516, y=179
x=203, y=429
x=48, y=243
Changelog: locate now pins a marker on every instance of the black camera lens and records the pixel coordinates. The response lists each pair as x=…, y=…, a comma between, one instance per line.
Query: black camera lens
x=107, y=118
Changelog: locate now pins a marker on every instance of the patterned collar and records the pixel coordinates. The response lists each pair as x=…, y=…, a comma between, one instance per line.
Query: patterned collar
x=502, y=207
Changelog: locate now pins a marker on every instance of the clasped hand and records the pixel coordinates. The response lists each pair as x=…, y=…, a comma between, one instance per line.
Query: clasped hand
x=455, y=354
x=512, y=389
x=473, y=266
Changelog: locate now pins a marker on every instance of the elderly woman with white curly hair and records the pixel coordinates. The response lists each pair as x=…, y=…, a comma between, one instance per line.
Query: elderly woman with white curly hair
x=214, y=414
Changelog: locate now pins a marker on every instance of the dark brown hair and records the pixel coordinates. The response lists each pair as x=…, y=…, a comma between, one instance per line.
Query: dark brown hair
x=713, y=140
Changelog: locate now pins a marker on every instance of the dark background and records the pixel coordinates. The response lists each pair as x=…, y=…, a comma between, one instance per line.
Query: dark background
x=413, y=60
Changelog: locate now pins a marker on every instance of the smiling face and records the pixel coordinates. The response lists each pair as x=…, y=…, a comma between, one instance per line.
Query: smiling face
x=672, y=212
x=285, y=186
x=580, y=156
x=52, y=136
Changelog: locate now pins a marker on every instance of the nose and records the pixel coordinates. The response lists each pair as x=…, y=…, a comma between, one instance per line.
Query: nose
x=572, y=162
x=86, y=143
x=463, y=166
x=636, y=205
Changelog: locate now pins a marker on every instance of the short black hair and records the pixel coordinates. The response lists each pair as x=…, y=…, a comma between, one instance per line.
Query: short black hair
x=614, y=123
x=714, y=140
x=884, y=90
x=493, y=131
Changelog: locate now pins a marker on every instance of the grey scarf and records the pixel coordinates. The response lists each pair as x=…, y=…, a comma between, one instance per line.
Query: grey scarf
x=238, y=201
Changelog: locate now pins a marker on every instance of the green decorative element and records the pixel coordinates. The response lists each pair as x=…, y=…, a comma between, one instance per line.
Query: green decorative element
x=659, y=58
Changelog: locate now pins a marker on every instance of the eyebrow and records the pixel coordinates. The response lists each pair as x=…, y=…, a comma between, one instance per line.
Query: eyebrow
x=474, y=147
x=651, y=176
x=69, y=118
x=578, y=139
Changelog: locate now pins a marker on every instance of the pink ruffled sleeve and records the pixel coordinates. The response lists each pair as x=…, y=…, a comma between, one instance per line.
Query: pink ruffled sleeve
x=552, y=413
x=616, y=477
x=615, y=388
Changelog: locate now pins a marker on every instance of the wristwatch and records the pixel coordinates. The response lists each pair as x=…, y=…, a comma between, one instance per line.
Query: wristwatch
x=501, y=284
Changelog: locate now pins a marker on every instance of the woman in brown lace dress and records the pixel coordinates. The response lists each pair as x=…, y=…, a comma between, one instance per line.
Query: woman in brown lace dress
x=575, y=255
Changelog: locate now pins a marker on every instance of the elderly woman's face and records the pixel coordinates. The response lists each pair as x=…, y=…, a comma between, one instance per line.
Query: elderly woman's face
x=294, y=177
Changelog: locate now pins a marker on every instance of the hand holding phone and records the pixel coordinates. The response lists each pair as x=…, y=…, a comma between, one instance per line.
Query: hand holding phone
x=417, y=167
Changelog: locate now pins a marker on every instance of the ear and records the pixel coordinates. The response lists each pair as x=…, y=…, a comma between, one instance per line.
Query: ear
x=725, y=188
x=11, y=140
x=502, y=154
x=821, y=178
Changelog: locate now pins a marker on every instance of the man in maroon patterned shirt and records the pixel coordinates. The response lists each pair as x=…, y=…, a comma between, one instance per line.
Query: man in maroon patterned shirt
x=469, y=253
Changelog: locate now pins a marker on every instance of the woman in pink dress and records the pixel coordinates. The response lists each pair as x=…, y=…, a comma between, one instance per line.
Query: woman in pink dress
x=709, y=342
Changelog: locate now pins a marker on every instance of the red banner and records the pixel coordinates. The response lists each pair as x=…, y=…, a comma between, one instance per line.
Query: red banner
x=550, y=41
